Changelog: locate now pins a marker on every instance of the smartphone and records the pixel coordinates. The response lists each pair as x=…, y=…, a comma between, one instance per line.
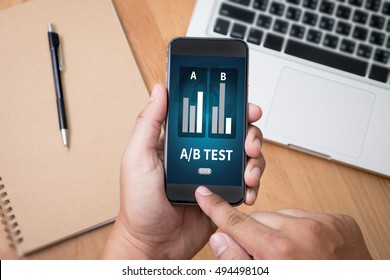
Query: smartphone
x=207, y=119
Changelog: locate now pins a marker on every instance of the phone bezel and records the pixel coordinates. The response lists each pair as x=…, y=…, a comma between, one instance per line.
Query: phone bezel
x=185, y=193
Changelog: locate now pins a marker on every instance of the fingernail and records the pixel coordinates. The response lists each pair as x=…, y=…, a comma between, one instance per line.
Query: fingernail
x=256, y=173
x=257, y=143
x=155, y=91
x=218, y=244
x=203, y=191
x=251, y=193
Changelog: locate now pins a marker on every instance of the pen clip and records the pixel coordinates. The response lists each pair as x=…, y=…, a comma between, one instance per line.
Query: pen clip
x=61, y=61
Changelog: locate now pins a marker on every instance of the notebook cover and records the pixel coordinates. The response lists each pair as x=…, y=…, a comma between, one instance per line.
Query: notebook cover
x=50, y=194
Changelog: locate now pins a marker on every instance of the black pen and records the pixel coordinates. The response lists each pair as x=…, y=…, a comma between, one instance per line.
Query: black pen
x=56, y=59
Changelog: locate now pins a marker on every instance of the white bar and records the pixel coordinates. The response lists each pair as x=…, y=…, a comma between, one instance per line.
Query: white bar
x=185, y=115
x=221, y=117
x=192, y=119
x=199, y=269
x=214, y=120
x=199, y=113
x=228, y=126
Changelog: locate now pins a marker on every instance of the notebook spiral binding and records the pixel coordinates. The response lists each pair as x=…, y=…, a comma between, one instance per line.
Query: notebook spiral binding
x=8, y=218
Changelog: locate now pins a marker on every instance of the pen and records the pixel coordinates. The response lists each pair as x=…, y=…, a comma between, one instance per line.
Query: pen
x=56, y=59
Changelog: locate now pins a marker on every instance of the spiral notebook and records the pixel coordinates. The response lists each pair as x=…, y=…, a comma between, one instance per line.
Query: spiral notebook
x=49, y=194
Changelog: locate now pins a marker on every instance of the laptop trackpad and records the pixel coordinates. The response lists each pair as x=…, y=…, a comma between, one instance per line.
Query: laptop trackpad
x=315, y=112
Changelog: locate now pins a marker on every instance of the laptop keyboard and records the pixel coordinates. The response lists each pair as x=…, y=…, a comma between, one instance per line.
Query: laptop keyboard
x=348, y=35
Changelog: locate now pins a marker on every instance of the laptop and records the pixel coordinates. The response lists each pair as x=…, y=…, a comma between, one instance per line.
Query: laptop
x=319, y=69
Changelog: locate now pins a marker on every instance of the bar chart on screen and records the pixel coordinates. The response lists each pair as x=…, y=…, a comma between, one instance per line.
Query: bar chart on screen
x=192, y=119
x=207, y=102
x=223, y=102
x=192, y=100
x=220, y=124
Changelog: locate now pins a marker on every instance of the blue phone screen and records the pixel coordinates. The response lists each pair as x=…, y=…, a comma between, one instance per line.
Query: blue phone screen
x=206, y=123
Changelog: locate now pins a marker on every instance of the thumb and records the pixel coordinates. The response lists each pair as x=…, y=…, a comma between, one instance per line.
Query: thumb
x=147, y=129
x=225, y=248
x=240, y=226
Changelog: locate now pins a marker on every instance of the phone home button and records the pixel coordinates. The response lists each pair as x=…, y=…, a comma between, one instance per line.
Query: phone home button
x=204, y=171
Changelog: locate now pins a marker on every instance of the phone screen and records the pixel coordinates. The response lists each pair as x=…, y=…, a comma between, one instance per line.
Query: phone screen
x=206, y=124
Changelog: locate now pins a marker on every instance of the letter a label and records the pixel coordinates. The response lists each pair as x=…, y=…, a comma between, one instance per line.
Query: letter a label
x=193, y=76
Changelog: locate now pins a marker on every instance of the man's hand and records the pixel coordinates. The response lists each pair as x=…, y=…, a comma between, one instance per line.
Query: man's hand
x=148, y=226
x=284, y=234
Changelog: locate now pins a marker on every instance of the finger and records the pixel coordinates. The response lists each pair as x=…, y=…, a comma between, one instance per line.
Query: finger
x=274, y=220
x=241, y=227
x=255, y=165
x=305, y=214
x=147, y=129
x=160, y=147
x=254, y=113
x=299, y=213
x=286, y=218
x=253, y=141
x=253, y=171
x=250, y=196
x=225, y=248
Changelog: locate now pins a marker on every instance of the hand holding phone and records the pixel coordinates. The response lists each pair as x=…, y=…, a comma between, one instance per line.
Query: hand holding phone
x=206, y=124
x=148, y=226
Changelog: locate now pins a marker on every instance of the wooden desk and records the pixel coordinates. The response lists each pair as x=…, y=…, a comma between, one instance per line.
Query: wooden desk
x=292, y=179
